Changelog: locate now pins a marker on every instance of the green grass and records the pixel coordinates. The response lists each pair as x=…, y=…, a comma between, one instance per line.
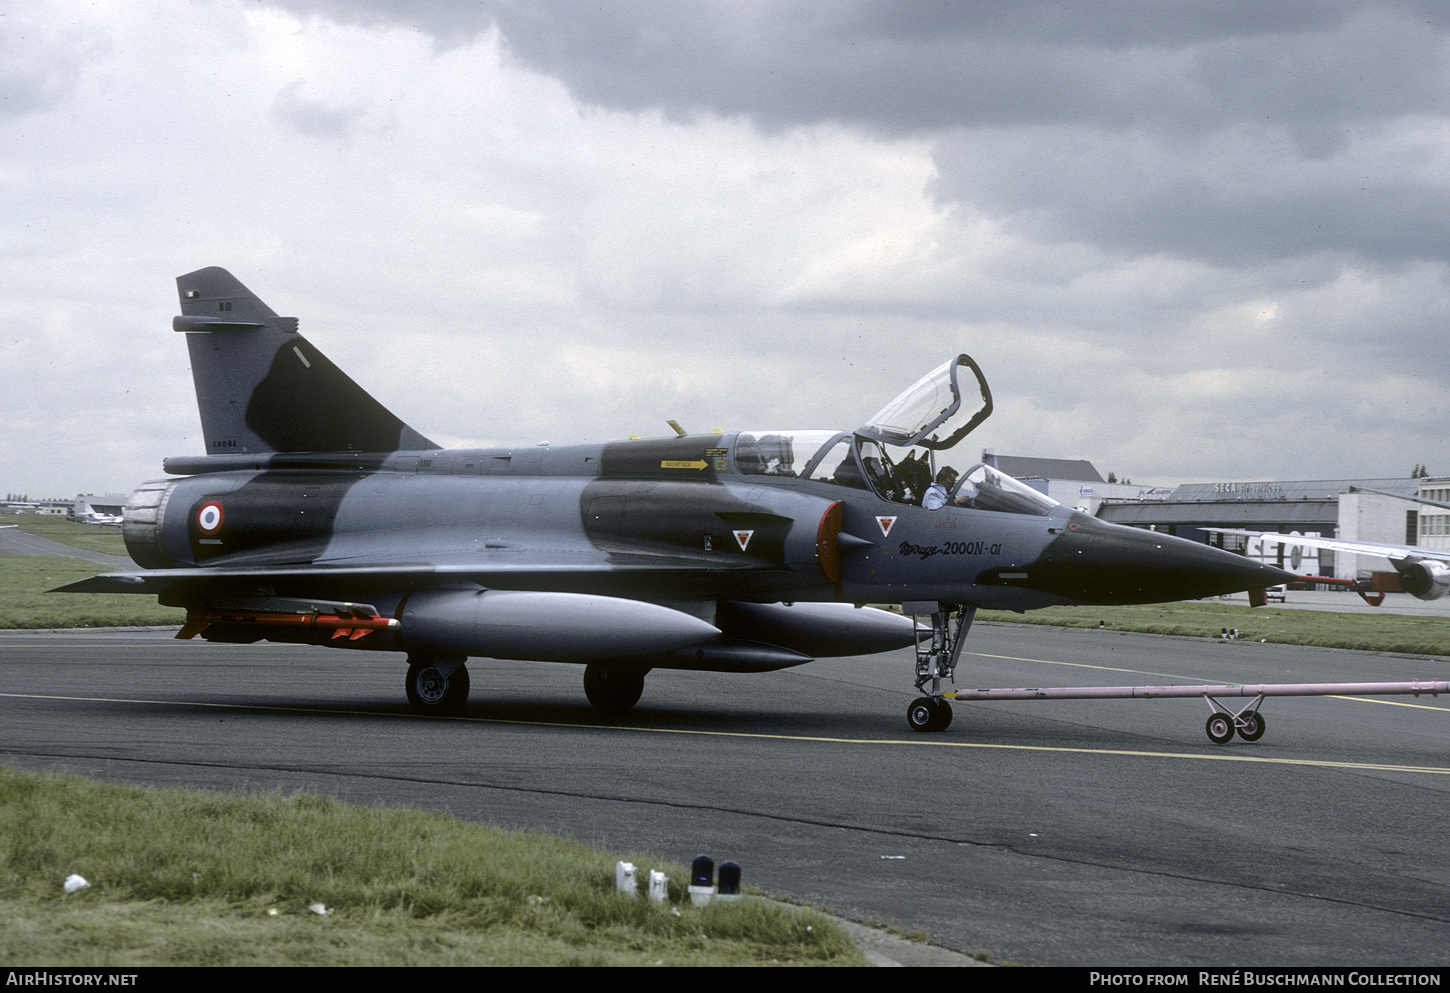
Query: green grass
x=189, y=878
x=24, y=580
x=1199, y=619
x=91, y=537
x=24, y=602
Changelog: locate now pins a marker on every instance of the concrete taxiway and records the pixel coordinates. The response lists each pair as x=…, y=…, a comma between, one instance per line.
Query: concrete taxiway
x=1085, y=833
x=14, y=541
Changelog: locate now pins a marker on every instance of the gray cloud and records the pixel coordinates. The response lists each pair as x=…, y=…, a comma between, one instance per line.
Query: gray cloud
x=1150, y=169
x=314, y=118
x=905, y=67
x=1185, y=240
x=1237, y=197
x=1227, y=131
x=40, y=62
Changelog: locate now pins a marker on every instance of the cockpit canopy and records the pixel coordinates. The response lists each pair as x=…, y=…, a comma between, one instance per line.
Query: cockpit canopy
x=985, y=488
x=843, y=458
x=935, y=412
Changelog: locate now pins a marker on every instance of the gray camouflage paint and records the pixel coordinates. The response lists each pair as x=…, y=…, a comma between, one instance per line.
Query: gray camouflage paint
x=311, y=488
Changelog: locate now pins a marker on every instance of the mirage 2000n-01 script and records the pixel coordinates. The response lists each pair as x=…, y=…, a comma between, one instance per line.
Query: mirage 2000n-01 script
x=317, y=516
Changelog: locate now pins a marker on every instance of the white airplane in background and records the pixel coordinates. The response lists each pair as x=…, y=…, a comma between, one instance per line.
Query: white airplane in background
x=96, y=517
x=1424, y=572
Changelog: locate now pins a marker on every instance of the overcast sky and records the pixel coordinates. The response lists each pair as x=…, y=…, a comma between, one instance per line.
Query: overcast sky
x=1187, y=241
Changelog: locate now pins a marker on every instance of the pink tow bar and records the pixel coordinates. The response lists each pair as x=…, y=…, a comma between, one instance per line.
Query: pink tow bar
x=1223, y=721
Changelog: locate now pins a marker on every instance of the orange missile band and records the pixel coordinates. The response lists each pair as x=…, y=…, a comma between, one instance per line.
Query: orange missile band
x=198, y=621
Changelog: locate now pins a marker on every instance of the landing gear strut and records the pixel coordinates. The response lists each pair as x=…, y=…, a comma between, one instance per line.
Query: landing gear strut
x=938, y=648
x=436, y=686
x=612, y=687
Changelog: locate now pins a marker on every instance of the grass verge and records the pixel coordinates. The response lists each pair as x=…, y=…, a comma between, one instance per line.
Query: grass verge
x=188, y=878
x=1198, y=619
x=91, y=537
x=24, y=602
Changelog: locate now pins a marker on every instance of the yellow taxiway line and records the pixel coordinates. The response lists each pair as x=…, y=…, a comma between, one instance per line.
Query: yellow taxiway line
x=915, y=742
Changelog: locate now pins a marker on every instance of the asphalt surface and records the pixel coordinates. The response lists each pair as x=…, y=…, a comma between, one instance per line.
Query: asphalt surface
x=1077, y=833
x=14, y=541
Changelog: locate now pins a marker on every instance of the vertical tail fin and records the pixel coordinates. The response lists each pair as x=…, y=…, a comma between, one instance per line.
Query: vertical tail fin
x=262, y=387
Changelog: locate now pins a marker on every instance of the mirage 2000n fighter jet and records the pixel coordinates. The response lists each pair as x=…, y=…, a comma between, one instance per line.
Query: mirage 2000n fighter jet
x=316, y=516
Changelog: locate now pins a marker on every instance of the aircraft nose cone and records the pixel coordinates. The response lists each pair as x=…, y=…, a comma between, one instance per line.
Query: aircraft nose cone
x=1100, y=563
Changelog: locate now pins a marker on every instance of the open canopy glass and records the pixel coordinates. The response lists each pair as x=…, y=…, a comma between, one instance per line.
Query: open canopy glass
x=937, y=411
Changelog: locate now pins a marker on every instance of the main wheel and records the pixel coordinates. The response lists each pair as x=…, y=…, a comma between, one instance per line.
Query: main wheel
x=431, y=692
x=613, y=688
x=1252, y=728
x=926, y=714
x=1220, y=728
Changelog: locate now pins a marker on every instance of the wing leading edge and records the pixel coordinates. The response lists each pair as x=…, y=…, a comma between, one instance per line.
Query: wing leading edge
x=1384, y=550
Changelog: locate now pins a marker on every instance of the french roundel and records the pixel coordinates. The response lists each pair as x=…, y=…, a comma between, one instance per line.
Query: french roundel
x=209, y=517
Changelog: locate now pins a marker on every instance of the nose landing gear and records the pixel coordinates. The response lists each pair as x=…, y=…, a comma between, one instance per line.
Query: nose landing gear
x=938, y=647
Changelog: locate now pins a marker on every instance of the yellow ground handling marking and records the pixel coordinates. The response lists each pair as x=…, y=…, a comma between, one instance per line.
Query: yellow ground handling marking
x=819, y=739
x=1392, y=703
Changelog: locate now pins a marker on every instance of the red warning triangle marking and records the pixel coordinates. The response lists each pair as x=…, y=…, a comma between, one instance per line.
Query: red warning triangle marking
x=885, y=524
x=743, y=538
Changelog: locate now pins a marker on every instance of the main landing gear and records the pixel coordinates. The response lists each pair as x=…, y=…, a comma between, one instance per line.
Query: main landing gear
x=938, y=648
x=613, y=687
x=435, y=685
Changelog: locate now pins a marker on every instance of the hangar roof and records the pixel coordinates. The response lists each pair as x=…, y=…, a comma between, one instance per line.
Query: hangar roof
x=1302, y=502
x=1312, y=489
x=1026, y=467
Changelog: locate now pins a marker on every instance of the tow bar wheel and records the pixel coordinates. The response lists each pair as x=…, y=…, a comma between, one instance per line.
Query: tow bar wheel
x=1251, y=726
x=1220, y=728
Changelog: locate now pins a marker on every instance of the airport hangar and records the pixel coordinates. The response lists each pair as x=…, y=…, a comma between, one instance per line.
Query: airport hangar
x=1329, y=508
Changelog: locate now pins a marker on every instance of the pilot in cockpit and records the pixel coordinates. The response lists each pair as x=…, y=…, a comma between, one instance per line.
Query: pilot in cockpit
x=937, y=494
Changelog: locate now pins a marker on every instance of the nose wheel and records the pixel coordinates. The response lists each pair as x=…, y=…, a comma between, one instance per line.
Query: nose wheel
x=929, y=714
